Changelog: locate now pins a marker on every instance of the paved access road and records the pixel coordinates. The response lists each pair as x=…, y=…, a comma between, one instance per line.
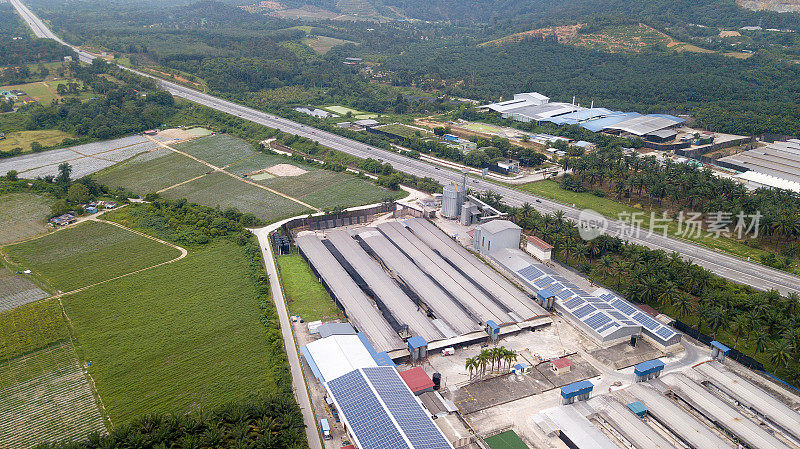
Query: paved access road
x=730, y=267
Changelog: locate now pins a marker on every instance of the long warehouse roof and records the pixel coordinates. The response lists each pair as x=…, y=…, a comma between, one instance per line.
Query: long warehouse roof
x=402, y=308
x=578, y=429
x=501, y=288
x=382, y=413
x=361, y=311
x=468, y=295
x=686, y=426
x=629, y=425
x=753, y=396
x=440, y=302
x=722, y=412
x=646, y=124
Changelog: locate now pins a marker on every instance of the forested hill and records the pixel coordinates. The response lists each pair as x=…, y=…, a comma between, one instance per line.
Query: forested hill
x=706, y=12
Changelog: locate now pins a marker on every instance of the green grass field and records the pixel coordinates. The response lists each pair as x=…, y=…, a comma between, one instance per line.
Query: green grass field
x=404, y=131
x=506, y=440
x=22, y=215
x=23, y=139
x=151, y=172
x=323, y=44
x=342, y=110
x=304, y=293
x=323, y=188
x=219, y=150
x=219, y=189
x=44, y=91
x=88, y=253
x=613, y=209
x=31, y=327
x=180, y=337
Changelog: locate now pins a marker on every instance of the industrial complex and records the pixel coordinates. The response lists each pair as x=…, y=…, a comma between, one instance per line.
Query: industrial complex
x=463, y=333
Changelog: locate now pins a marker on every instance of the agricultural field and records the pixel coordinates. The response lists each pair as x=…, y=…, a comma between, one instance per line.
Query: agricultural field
x=323, y=44
x=622, y=39
x=31, y=327
x=87, y=253
x=219, y=150
x=17, y=290
x=343, y=110
x=22, y=215
x=326, y=189
x=151, y=172
x=44, y=397
x=183, y=336
x=305, y=295
x=23, y=139
x=43, y=91
x=219, y=189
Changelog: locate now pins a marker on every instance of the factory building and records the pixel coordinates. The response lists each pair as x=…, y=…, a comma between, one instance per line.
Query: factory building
x=495, y=235
x=376, y=407
x=410, y=288
x=602, y=315
x=774, y=166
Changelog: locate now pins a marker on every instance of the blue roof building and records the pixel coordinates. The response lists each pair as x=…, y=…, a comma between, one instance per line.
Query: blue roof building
x=577, y=391
x=638, y=409
x=648, y=370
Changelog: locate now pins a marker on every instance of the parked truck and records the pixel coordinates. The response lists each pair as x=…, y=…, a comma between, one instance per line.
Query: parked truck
x=326, y=429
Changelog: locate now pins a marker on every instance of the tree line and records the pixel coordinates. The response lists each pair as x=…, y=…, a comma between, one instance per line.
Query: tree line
x=674, y=187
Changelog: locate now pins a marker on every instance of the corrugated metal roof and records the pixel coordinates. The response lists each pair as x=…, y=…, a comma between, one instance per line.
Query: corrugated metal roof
x=337, y=355
x=576, y=388
x=648, y=367
x=495, y=226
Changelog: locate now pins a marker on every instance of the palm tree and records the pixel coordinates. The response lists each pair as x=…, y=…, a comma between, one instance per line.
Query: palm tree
x=683, y=305
x=470, y=365
x=762, y=339
x=739, y=325
x=670, y=295
x=781, y=354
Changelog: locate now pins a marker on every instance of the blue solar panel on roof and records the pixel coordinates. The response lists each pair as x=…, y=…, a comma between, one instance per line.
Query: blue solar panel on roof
x=630, y=323
x=367, y=418
x=604, y=306
x=646, y=320
x=574, y=302
x=597, y=320
x=405, y=409
x=595, y=300
x=623, y=307
x=583, y=311
x=565, y=294
x=665, y=332
x=543, y=281
x=607, y=296
x=530, y=272
x=570, y=285
x=607, y=327
x=560, y=278
x=617, y=315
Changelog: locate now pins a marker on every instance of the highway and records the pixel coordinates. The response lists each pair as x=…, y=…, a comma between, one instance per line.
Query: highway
x=733, y=268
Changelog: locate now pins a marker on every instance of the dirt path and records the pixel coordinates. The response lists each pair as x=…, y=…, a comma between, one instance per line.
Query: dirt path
x=234, y=176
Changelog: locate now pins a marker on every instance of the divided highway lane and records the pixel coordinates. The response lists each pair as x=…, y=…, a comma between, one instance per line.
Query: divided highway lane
x=730, y=267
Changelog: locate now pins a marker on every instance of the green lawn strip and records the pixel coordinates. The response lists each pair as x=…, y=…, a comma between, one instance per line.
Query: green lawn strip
x=31, y=327
x=506, y=440
x=88, y=253
x=613, y=209
x=151, y=172
x=23, y=139
x=305, y=295
x=180, y=337
x=22, y=215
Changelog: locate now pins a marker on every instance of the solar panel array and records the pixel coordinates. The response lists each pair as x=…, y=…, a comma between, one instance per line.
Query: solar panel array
x=382, y=413
x=605, y=314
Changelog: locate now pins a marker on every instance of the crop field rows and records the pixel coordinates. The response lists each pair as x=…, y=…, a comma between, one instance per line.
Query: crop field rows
x=151, y=172
x=103, y=251
x=17, y=290
x=45, y=396
x=219, y=150
x=22, y=215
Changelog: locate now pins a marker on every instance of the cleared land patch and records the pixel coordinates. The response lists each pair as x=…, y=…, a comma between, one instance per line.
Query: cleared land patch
x=304, y=293
x=323, y=44
x=323, y=188
x=151, y=172
x=88, y=253
x=22, y=215
x=52, y=402
x=219, y=189
x=17, y=290
x=178, y=337
x=24, y=139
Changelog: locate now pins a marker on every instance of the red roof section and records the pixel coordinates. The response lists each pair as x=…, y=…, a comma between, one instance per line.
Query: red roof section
x=648, y=310
x=563, y=362
x=539, y=242
x=349, y=446
x=471, y=233
x=416, y=379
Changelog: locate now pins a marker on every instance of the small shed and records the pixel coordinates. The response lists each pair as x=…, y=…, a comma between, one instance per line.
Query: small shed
x=493, y=329
x=562, y=365
x=328, y=329
x=577, y=391
x=661, y=136
x=417, y=380
x=417, y=348
x=638, y=409
x=648, y=370
x=520, y=368
x=718, y=350
x=497, y=234
x=547, y=298
x=538, y=248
